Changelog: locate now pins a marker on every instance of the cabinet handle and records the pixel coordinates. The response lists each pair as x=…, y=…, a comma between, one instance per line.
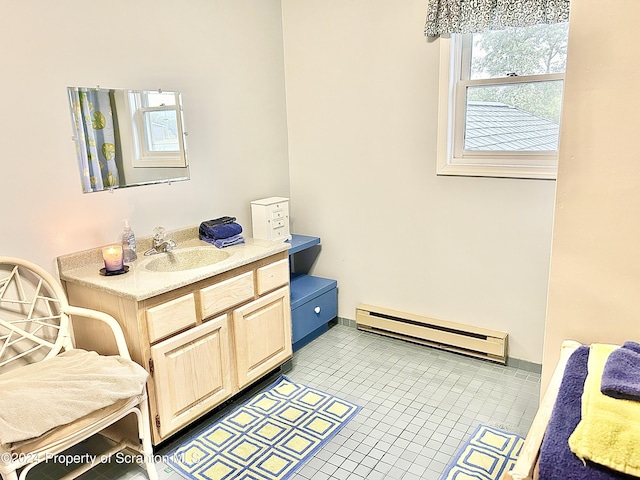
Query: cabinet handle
x=317, y=309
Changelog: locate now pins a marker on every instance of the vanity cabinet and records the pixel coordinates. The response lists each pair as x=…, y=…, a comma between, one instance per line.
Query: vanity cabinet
x=202, y=342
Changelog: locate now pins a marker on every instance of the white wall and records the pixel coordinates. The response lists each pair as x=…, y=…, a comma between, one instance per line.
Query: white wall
x=362, y=91
x=224, y=56
x=595, y=267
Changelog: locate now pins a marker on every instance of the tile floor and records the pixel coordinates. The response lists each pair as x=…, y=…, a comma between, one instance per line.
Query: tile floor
x=419, y=405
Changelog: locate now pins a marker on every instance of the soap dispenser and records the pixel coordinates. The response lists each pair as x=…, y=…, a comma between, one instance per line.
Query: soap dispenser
x=128, y=243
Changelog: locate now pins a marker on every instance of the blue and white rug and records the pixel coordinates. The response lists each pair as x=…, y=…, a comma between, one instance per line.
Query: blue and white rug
x=487, y=455
x=268, y=438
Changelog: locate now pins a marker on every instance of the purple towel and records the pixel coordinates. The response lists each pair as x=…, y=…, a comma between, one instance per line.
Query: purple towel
x=557, y=461
x=621, y=373
x=227, y=242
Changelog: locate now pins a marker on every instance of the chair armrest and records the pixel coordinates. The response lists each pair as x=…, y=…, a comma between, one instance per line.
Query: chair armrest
x=107, y=319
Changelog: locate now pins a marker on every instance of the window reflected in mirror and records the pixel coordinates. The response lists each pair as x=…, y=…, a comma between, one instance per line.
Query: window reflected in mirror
x=128, y=137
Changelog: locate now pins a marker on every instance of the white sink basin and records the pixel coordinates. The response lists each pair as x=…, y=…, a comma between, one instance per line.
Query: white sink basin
x=185, y=259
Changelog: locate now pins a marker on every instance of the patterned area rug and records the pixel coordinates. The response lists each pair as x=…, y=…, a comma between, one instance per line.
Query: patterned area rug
x=267, y=438
x=487, y=455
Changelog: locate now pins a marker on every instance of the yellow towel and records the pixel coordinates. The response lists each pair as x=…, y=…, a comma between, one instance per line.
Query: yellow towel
x=609, y=431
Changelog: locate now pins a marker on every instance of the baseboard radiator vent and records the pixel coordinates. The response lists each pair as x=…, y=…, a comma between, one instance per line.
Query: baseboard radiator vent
x=456, y=337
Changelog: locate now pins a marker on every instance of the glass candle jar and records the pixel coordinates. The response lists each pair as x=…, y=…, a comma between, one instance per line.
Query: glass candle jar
x=113, y=257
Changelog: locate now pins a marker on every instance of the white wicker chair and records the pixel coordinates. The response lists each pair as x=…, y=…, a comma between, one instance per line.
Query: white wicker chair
x=35, y=335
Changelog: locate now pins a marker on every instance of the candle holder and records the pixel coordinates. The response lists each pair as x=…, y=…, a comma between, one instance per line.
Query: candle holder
x=103, y=271
x=113, y=257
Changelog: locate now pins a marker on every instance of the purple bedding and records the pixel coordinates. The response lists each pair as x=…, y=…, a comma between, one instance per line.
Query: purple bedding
x=557, y=461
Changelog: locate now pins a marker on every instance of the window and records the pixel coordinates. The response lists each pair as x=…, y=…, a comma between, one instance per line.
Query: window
x=500, y=102
x=157, y=129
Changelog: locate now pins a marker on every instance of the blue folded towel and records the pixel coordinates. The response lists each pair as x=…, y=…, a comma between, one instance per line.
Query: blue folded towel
x=217, y=232
x=227, y=242
x=621, y=373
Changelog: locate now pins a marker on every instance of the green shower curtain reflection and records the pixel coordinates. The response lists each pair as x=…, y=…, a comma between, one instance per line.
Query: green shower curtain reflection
x=96, y=138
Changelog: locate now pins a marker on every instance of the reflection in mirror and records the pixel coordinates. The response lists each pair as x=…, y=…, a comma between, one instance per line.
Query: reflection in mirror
x=128, y=137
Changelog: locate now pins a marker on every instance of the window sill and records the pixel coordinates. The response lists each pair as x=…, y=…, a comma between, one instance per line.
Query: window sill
x=499, y=171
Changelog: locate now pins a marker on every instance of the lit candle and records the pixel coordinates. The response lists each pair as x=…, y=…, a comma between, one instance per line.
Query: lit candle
x=113, y=257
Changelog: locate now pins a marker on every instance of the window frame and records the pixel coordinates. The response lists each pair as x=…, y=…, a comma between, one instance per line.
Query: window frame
x=452, y=159
x=143, y=157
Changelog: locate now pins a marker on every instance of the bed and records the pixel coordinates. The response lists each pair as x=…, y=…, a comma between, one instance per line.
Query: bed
x=546, y=453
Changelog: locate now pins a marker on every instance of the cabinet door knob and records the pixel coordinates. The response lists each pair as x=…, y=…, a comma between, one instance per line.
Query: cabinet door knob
x=317, y=309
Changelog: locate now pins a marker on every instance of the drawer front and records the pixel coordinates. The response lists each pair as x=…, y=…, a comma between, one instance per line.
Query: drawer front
x=279, y=211
x=314, y=313
x=272, y=276
x=171, y=317
x=226, y=294
x=280, y=230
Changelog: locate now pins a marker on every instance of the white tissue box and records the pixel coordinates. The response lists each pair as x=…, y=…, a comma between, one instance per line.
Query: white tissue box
x=270, y=219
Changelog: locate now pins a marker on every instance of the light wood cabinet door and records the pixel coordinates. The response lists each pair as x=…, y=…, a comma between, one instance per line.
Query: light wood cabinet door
x=262, y=334
x=192, y=374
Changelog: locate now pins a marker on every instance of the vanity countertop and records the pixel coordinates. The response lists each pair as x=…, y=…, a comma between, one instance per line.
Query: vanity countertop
x=139, y=283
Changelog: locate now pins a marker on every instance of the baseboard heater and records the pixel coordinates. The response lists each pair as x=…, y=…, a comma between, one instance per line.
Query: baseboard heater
x=456, y=337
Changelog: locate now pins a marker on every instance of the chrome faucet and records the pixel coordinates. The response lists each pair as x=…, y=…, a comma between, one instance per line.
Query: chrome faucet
x=160, y=243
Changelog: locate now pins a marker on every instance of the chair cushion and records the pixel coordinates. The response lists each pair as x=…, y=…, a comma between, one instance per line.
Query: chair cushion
x=67, y=435
x=39, y=397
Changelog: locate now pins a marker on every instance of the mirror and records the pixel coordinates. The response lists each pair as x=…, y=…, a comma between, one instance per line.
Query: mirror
x=128, y=137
